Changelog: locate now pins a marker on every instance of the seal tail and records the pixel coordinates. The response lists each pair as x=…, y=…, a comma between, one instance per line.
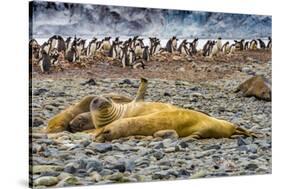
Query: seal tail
x=242, y=131
x=141, y=91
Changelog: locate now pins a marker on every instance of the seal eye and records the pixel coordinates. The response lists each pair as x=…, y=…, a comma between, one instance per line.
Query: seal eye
x=106, y=132
x=95, y=101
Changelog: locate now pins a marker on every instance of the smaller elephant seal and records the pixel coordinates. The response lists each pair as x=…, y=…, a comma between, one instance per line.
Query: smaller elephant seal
x=81, y=122
x=256, y=86
x=61, y=121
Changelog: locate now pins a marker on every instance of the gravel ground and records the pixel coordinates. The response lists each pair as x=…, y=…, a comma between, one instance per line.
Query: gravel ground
x=66, y=159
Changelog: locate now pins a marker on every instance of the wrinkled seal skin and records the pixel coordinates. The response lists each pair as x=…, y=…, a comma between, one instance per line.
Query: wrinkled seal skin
x=104, y=110
x=77, y=118
x=256, y=86
x=146, y=118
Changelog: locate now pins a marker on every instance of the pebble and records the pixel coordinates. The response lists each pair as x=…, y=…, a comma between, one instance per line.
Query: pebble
x=46, y=181
x=251, y=166
x=101, y=147
x=94, y=164
x=69, y=181
x=46, y=168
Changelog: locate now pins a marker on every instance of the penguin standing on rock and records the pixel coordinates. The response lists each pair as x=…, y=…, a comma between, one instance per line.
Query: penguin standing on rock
x=146, y=54
x=45, y=62
x=224, y=48
x=269, y=44
x=171, y=45
x=246, y=45
x=71, y=55
x=92, y=47
x=253, y=44
x=193, y=46
x=262, y=44
x=183, y=48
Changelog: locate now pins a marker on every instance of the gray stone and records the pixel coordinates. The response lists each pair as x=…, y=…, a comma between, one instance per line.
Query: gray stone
x=71, y=168
x=101, y=147
x=241, y=141
x=210, y=147
x=45, y=168
x=158, y=155
x=251, y=166
x=46, y=181
x=69, y=181
x=94, y=165
x=160, y=175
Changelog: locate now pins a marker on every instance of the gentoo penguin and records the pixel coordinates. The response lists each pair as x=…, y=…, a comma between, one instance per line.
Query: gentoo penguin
x=206, y=48
x=246, y=47
x=269, y=44
x=146, y=54
x=215, y=50
x=34, y=49
x=253, y=44
x=92, y=47
x=171, y=45
x=140, y=42
x=157, y=47
x=67, y=43
x=46, y=46
x=124, y=56
x=219, y=44
x=262, y=44
x=224, y=48
x=54, y=57
x=113, y=52
x=152, y=40
x=133, y=44
x=183, y=48
x=239, y=44
x=193, y=46
x=138, y=51
x=57, y=42
x=79, y=47
x=232, y=48
x=61, y=47
x=71, y=55
x=105, y=45
x=44, y=62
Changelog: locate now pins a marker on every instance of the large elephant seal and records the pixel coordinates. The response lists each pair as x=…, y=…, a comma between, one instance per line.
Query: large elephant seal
x=77, y=117
x=256, y=86
x=147, y=118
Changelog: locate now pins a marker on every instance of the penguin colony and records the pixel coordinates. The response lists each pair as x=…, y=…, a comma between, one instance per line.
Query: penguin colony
x=131, y=52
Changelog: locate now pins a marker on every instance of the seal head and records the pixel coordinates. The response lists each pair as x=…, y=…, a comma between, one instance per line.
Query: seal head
x=104, y=111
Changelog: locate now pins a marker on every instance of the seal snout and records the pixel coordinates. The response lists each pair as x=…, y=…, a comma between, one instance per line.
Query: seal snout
x=100, y=103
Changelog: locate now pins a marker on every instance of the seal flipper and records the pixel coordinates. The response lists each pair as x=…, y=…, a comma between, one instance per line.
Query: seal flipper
x=241, y=131
x=141, y=91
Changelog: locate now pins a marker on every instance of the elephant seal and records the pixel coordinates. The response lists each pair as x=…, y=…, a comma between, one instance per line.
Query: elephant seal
x=147, y=118
x=256, y=86
x=77, y=117
x=81, y=122
x=60, y=121
x=104, y=110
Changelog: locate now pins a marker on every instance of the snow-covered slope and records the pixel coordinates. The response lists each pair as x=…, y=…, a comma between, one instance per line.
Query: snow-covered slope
x=88, y=20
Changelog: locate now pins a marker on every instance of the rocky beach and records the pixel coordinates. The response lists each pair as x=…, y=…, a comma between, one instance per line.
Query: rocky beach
x=67, y=159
